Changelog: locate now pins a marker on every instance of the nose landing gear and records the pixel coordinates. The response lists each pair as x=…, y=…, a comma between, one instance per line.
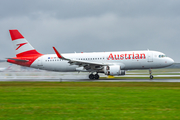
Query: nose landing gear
x=151, y=76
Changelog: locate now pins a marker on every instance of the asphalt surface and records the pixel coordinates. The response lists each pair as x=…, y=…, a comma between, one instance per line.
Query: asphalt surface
x=75, y=77
x=87, y=80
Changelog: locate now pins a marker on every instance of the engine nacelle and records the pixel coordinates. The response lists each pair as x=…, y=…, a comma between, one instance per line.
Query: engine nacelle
x=113, y=70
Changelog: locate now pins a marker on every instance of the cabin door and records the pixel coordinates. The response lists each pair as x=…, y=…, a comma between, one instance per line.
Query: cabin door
x=150, y=56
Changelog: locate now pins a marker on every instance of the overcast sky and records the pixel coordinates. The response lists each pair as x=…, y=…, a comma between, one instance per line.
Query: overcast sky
x=92, y=25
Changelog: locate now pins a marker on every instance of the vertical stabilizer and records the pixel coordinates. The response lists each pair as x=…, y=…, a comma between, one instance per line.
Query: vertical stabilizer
x=22, y=47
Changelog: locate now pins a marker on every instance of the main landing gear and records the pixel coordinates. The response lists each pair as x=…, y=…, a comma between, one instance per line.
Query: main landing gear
x=150, y=72
x=92, y=76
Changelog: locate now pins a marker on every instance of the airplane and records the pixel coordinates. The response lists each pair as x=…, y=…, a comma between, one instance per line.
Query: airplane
x=5, y=68
x=109, y=63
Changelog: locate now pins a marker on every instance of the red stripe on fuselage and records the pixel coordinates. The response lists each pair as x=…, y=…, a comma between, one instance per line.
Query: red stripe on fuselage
x=15, y=34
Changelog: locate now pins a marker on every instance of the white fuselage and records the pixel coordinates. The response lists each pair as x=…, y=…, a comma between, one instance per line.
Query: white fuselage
x=2, y=69
x=126, y=59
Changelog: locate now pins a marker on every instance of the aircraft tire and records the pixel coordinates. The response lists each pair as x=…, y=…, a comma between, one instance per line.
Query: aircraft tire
x=96, y=76
x=151, y=77
x=91, y=76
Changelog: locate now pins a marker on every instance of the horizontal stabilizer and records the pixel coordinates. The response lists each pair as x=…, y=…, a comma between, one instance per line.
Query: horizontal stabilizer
x=18, y=60
x=3, y=60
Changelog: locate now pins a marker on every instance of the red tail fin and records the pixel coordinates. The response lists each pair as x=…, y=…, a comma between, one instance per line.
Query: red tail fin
x=22, y=47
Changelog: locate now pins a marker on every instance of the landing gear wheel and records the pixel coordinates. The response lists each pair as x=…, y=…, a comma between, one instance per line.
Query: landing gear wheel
x=96, y=76
x=91, y=76
x=150, y=72
x=151, y=77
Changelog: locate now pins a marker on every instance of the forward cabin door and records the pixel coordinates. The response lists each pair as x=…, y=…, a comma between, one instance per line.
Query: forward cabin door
x=150, y=56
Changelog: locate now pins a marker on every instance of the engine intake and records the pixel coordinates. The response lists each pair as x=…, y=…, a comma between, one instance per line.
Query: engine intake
x=113, y=70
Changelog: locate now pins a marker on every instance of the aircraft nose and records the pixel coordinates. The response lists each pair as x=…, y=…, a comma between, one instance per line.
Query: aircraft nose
x=170, y=61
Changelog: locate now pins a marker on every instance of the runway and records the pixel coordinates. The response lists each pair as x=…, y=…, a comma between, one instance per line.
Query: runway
x=78, y=77
x=87, y=80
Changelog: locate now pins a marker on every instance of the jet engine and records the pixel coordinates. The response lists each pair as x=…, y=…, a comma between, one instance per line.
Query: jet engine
x=113, y=70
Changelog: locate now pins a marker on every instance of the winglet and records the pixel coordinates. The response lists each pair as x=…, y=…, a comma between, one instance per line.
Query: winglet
x=57, y=53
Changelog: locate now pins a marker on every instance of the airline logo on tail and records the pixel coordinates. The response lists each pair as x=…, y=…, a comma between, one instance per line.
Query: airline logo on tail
x=20, y=45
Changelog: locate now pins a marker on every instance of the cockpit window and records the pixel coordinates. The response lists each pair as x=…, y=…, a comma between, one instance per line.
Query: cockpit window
x=161, y=56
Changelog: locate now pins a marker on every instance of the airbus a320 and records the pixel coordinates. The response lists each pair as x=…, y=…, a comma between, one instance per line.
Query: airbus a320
x=109, y=63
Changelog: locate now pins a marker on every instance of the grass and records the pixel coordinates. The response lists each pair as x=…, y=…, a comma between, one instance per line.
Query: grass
x=89, y=101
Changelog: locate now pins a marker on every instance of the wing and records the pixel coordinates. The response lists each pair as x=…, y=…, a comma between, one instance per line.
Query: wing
x=88, y=65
